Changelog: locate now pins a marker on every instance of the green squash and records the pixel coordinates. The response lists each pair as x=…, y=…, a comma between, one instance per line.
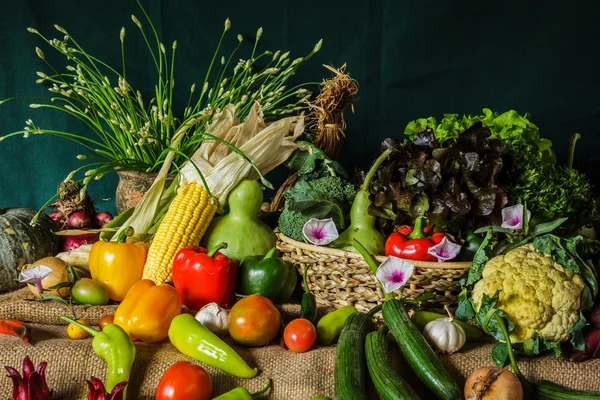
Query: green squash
x=21, y=243
x=242, y=230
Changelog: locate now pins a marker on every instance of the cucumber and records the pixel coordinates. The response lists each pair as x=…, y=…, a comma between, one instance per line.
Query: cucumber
x=350, y=374
x=419, y=355
x=546, y=390
x=388, y=383
x=422, y=318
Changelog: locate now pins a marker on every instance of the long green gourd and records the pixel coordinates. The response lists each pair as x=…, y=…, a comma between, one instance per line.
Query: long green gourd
x=362, y=225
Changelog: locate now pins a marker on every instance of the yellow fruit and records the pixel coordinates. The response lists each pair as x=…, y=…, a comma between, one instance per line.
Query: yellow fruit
x=75, y=332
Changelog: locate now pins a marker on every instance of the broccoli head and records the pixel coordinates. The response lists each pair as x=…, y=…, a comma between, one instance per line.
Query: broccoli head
x=291, y=224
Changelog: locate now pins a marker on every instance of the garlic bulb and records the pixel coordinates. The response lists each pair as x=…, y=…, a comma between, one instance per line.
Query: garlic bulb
x=446, y=335
x=213, y=317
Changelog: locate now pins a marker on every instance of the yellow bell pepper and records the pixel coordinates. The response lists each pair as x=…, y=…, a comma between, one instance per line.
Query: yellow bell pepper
x=118, y=265
x=147, y=311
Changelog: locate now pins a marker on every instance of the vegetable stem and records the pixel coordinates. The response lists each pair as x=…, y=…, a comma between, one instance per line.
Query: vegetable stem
x=574, y=140
x=373, y=170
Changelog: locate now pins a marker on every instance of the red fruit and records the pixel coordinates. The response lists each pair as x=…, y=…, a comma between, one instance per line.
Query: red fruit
x=185, y=381
x=32, y=385
x=79, y=220
x=300, y=335
x=97, y=391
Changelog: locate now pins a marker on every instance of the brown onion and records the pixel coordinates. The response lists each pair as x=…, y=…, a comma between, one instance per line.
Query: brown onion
x=491, y=383
x=58, y=275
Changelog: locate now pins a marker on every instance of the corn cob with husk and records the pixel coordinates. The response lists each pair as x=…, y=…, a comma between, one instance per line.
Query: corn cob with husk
x=233, y=151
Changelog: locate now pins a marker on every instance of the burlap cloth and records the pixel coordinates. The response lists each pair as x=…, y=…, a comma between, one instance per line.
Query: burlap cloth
x=295, y=376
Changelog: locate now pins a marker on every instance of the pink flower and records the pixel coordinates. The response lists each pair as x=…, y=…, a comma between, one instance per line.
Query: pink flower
x=34, y=276
x=444, y=250
x=320, y=232
x=393, y=273
x=512, y=217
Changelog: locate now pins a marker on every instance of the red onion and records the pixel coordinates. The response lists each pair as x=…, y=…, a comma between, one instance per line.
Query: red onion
x=57, y=218
x=102, y=218
x=594, y=317
x=79, y=220
x=73, y=242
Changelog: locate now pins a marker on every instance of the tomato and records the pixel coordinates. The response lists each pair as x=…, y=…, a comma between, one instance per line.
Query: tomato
x=106, y=320
x=254, y=321
x=185, y=381
x=300, y=335
x=75, y=332
x=90, y=291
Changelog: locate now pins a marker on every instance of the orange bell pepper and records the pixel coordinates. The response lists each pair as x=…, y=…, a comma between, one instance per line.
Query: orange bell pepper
x=147, y=311
x=118, y=265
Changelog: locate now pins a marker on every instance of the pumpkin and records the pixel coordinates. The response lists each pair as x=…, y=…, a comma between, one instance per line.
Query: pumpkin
x=21, y=243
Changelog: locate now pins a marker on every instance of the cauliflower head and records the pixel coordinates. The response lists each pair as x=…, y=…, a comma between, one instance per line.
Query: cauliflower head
x=536, y=293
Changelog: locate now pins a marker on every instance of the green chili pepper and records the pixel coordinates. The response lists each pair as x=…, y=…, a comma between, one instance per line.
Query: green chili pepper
x=116, y=222
x=330, y=326
x=194, y=340
x=308, y=308
x=243, y=394
x=321, y=398
x=115, y=347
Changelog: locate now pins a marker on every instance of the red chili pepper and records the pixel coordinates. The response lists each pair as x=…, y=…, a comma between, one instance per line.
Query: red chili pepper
x=201, y=277
x=15, y=328
x=412, y=243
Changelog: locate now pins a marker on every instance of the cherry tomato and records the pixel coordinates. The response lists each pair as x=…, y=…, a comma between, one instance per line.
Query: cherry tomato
x=254, y=321
x=300, y=335
x=185, y=381
x=106, y=320
x=75, y=332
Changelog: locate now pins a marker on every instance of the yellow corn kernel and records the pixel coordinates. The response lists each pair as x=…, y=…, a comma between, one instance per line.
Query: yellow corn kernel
x=184, y=225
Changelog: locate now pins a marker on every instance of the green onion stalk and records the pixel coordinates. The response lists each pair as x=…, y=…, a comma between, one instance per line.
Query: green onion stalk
x=132, y=134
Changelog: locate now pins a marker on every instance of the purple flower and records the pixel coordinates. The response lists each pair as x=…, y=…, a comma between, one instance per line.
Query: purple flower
x=444, y=250
x=393, y=273
x=34, y=276
x=320, y=232
x=512, y=217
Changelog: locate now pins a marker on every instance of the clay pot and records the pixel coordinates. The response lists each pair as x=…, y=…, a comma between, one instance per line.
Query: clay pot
x=132, y=186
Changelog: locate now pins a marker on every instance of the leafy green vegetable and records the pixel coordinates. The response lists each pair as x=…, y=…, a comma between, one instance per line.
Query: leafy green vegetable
x=453, y=186
x=310, y=162
x=464, y=311
x=550, y=190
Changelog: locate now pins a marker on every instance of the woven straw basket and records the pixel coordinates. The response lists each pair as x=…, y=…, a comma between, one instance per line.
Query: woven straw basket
x=339, y=278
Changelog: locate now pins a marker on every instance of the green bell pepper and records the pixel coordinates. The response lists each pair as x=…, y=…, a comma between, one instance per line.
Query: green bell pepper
x=115, y=347
x=243, y=394
x=472, y=243
x=194, y=340
x=268, y=276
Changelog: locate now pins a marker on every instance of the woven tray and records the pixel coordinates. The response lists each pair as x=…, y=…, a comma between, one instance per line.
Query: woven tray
x=338, y=278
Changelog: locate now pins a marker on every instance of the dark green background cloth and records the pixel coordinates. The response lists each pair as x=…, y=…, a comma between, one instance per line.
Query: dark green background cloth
x=411, y=58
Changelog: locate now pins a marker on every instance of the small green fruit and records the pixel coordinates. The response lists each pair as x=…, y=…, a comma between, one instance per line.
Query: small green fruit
x=89, y=291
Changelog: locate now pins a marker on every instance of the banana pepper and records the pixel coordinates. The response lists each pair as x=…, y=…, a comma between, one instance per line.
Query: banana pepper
x=118, y=265
x=147, y=311
x=115, y=347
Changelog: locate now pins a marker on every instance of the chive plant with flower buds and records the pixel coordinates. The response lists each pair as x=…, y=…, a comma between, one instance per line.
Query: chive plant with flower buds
x=132, y=134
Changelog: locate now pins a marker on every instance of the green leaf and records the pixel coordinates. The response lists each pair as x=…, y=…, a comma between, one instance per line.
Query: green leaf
x=311, y=162
x=481, y=257
x=500, y=354
x=576, y=331
x=554, y=346
x=497, y=229
x=547, y=227
x=464, y=311
x=485, y=316
x=312, y=203
x=531, y=346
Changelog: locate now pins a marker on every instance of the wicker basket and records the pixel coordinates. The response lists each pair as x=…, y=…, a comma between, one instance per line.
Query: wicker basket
x=338, y=278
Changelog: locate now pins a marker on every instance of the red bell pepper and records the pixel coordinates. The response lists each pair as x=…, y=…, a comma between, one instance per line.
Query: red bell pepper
x=412, y=243
x=201, y=277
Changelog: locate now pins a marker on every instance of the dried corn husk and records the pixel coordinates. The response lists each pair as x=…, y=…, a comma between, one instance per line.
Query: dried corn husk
x=78, y=257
